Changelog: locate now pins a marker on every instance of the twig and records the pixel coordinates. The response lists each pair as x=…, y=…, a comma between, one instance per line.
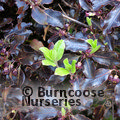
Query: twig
x=67, y=4
x=62, y=9
x=80, y=23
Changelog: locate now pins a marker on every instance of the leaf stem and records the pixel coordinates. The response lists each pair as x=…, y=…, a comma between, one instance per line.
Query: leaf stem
x=57, y=64
x=80, y=23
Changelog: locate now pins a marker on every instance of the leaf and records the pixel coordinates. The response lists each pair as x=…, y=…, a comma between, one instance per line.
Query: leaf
x=68, y=106
x=55, y=79
x=97, y=4
x=46, y=53
x=101, y=75
x=21, y=31
x=48, y=62
x=117, y=93
x=63, y=111
x=79, y=35
x=76, y=45
x=85, y=101
x=5, y=21
x=106, y=58
x=35, y=44
x=16, y=40
x=89, y=21
x=54, y=55
x=80, y=117
x=27, y=55
x=95, y=43
x=49, y=16
x=70, y=57
x=85, y=5
x=45, y=74
x=112, y=20
x=54, y=18
x=9, y=3
x=22, y=7
x=73, y=70
x=21, y=4
x=88, y=68
x=109, y=39
x=90, y=41
x=46, y=1
x=42, y=113
x=61, y=71
x=95, y=49
x=67, y=65
x=38, y=15
x=1, y=8
x=59, y=47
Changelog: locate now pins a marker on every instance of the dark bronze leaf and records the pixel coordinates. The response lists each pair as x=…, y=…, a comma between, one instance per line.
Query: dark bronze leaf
x=76, y=45
x=49, y=16
x=106, y=58
x=101, y=75
x=46, y=1
x=112, y=20
x=88, y=68
x=85, y=5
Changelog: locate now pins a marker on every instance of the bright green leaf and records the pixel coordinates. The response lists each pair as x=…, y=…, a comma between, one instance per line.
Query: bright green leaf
x=73, y=70
x=48, y=62
x=59, y=47
x=91, y=32
x=95, y=49
x=90, y=41
x=57, y=28
x=67, y=65
x=106, y=43
x=95, y=43
x=63, y=111
x=46, y=53
x=89, y=21
x=54, y=55
x=61, y=71
x=80, y=52
x=68, y=105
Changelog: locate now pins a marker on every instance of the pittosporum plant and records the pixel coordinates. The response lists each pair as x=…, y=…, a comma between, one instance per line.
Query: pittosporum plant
x=89, y=32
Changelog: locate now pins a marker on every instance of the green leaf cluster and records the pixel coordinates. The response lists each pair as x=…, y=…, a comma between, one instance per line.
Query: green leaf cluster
x=69, y=68
x=54, y=55
x=94, y=46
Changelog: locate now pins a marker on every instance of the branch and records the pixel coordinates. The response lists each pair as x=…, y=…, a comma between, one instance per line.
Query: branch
x=80, y=23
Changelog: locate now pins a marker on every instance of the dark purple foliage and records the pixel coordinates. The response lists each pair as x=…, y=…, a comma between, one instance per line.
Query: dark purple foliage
x=27, y=25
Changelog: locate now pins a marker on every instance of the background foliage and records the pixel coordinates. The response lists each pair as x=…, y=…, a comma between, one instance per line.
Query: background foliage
x=27, y=25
